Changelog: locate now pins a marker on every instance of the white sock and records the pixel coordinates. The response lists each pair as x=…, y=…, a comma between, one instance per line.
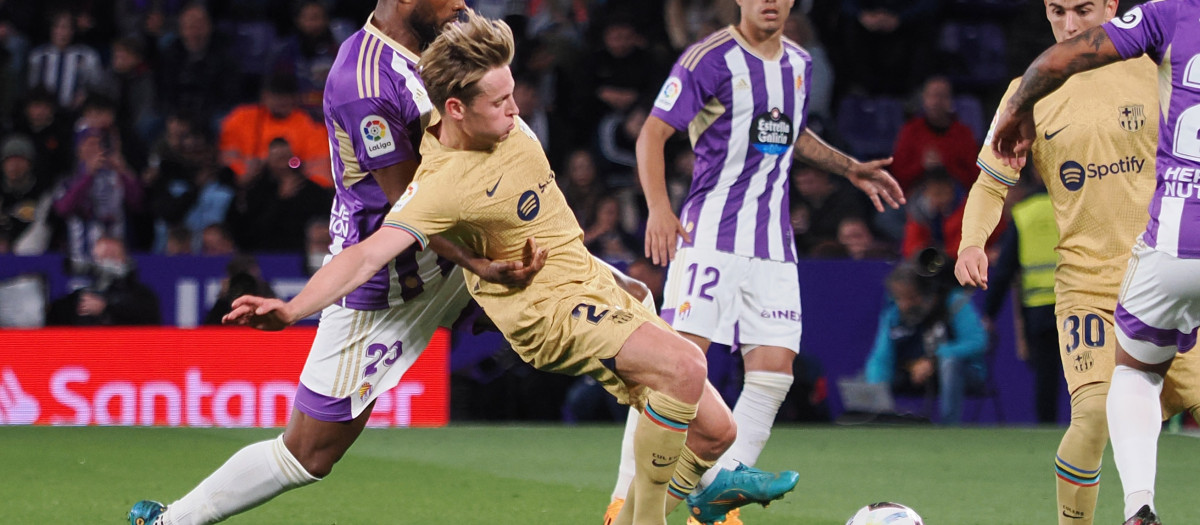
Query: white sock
x=1134, y=421
x=625, y=471
x=762, y=393
x=249, y=478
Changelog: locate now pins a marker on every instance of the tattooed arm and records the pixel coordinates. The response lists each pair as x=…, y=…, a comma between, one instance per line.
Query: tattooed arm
x=870, y=177
x=1014, y=130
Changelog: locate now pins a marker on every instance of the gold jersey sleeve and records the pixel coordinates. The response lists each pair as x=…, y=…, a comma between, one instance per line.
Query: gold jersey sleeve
x=1096, y=140
x=491, y=202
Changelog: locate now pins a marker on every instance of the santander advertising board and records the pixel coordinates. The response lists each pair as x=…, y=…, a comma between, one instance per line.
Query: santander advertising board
x=205, y=377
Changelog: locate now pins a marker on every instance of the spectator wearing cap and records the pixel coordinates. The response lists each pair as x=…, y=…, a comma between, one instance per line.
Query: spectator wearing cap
x=24, y=199
x=247, y=132
x=97, y=201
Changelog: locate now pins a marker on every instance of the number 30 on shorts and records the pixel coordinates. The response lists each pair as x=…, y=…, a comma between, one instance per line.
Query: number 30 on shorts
x=1089, y=331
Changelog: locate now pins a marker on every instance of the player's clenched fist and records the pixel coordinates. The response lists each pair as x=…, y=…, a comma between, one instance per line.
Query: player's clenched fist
x=971, y=268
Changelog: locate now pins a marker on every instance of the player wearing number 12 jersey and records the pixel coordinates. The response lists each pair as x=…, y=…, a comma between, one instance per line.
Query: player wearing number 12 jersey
x=742, y=95
x=1094, y=150
x=1158, y=308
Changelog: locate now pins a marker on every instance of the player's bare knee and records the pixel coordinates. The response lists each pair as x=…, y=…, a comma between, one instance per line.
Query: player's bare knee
x=688, y=364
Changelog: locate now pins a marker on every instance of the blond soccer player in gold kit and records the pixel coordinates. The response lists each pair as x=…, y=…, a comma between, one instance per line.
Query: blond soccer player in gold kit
x=1095, y=150
x=485, y=182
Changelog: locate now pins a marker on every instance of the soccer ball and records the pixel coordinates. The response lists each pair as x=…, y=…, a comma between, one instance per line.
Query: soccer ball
x=885, y=513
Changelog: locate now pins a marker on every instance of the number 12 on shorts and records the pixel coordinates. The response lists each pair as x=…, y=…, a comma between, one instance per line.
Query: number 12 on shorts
x=711, y=276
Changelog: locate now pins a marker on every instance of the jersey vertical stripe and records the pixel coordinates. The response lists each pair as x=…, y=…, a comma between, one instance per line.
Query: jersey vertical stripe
x=711, y=206
x=744, y=114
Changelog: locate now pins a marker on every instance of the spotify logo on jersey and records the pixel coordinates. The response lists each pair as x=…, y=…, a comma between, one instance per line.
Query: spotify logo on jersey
x=1072, y=175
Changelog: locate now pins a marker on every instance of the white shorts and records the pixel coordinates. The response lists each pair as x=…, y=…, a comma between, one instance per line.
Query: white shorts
x=1158, y=310
x=359, y=354
x=733, y=300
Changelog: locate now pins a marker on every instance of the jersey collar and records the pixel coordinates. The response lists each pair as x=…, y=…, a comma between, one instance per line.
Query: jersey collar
x=370, y=28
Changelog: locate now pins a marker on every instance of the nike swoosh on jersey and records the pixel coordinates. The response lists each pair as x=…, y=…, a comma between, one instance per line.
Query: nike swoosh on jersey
x=1049, y=135
x=493, y=190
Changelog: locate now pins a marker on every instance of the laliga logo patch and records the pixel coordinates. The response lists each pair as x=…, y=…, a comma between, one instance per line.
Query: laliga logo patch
x=669, y=94
x=771, y=132
x=407, y=196
x=376, y=136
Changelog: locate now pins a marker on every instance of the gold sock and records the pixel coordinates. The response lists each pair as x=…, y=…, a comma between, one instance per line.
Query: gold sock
x=687, y=474
x=1077, y=465
x=657, y=447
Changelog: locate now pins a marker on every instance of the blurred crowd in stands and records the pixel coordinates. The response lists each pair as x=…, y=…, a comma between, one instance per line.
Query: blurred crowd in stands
x=195, y=127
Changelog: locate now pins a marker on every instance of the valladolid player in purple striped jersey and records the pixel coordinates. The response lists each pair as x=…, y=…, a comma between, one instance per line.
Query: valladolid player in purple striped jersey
x=376, y=109
x=1158, y=309
x=741, y=94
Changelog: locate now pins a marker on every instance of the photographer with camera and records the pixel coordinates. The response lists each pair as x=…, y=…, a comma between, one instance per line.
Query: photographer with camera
x=115, y=296
x=930, y=340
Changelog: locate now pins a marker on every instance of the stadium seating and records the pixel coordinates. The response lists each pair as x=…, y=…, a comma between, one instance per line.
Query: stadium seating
x=869, y=125
x=970, y=113
x=977, y=53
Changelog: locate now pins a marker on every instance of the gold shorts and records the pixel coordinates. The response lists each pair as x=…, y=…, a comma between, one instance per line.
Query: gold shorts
x=581, y=327
x=1088, y=348
x=1086, y=345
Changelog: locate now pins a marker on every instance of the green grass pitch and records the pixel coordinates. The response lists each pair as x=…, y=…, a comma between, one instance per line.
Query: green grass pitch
x=562, y=475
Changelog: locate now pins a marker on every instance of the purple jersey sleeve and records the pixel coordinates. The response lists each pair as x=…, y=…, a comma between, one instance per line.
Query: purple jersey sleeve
x=681, y=98
x=379, y=130
x=1147, y=28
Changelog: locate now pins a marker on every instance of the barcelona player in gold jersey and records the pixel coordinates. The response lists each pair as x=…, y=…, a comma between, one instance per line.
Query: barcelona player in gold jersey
x=484, y=181
x=1095, y=149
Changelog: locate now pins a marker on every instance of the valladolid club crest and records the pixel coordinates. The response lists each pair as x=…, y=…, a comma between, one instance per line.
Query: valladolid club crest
x=1132, y=117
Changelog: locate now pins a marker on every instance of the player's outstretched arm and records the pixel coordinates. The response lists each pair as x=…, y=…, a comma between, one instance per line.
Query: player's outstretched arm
x=870, y=177
x=662, y=225
x=516, y=274
x=1014, y=130
x=345, y=272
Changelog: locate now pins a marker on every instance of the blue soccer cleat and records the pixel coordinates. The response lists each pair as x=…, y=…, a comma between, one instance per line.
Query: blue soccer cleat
x=735, y=488
x=145, y=512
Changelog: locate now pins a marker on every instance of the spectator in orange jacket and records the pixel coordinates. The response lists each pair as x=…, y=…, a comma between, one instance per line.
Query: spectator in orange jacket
x=249, y=129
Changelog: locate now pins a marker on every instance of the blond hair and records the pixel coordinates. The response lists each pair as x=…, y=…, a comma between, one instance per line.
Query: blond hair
x=454, y=63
